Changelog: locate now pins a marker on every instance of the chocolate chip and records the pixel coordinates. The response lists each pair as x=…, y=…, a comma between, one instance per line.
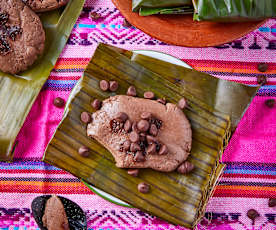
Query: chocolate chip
x=139, y=157
x=252, y=214
x=182, y=104
x=134, y=137
x=86, y=117
x=149, y=95
x=59, y=102
x=146, y=115
x=270, y=103
x=263, y=67
x=151, y=149
x=153, y=130
x=143, y=187
x=84, y=151
x=95, y=15
x=127, y=126
x=162, y=101
x=126, y=145
x=126, y=23
x=134, y=127
x=134, y=147
x=185, y=167
x=96, y=104
x=143, y=125
x=104, y=85
x=163, y=150
x=133, y=172
x=113, y=86
x=272, y=202
x=131, y=91
x=262, y=80
x=151, y=139
x=121, y=116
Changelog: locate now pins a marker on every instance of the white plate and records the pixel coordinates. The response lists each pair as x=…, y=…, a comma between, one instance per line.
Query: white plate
x=160, y=56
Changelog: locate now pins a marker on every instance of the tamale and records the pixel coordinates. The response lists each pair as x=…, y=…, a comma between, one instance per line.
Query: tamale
x=179, y=199
x=18, y=92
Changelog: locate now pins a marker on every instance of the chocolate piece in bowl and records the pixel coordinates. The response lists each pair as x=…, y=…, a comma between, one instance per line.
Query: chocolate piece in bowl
x=173, y=141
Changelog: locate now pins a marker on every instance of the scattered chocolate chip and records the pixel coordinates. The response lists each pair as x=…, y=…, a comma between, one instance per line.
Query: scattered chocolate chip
x=134, y=147
x=96, y=104
x=104, y=85
x=143, y=125
x=134, y=127
x=162, y=101
x=113, y=86
x=126, y=145
x=131, y=91
x=272, y=202
x=86, y=117
x=95, y=15
x=149, y=95
x=134, y=137
x=262, y=80
x=143, y=187
x=263, y=67
x=252, y=214
x=84, y=151
x=163, y=150
x=121, y=116
x=59, y=102
x=182, y=104
x=185, y=167
x=146, y=115
x=270, y=103
x=151, y=139
x=133, y=172
x=126, y=23
x=151, y=149
x=139, y=157
x=127, y=126
x=153, y=130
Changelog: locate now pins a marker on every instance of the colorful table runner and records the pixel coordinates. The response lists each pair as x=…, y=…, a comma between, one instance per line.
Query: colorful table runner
x=248, y=180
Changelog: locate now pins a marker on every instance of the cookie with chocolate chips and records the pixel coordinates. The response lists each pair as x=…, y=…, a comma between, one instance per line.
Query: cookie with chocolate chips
x=22, y=36
x=45, y=5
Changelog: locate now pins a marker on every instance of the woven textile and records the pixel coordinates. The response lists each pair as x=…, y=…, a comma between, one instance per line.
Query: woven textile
x=248, y=180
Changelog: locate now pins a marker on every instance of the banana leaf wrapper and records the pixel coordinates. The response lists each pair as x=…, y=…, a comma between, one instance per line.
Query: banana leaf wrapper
x=179, y=199
x=234, y=10
x=18, y=92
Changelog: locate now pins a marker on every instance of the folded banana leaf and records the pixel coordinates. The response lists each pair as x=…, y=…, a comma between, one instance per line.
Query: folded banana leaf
x=179, y=199
x=234, y=10
x=18, y=92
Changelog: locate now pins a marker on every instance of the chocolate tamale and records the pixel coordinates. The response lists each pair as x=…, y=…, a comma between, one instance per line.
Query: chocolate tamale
x=18, y=92
x=179, y=199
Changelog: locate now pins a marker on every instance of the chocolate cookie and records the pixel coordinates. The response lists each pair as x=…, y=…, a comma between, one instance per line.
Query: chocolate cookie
x=45, y=5
x=22, y=36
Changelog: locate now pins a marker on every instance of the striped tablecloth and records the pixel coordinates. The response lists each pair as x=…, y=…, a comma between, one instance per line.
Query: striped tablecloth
x=248, y=180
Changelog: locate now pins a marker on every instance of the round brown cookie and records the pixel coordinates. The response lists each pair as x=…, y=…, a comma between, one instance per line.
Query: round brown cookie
x=22, y=36
x=45, y=5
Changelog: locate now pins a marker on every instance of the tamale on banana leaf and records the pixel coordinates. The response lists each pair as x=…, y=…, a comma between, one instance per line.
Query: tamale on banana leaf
x=179, y=199
x=18, y=92
x=234, y=10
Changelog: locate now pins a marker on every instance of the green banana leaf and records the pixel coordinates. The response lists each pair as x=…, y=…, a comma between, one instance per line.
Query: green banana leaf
x=175, y=10
x=18, y=92
x=234, y=10
x=179, y=199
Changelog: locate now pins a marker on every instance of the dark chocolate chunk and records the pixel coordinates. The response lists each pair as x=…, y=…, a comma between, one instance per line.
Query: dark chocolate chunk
x=162, y=101
x=143, y=125
x=134, y=147
x=252, y=214
x=143, y=187
x=126, y=23
x=96, y=104
x=134, y=137
x=131, y=91
x=133, y=172
x=127, y=126
x=113, y=86
x=84, y=151
x=151, y=149
x=272, y=202
x=149, y=95
x=95, y=15
x=153, y=130
x=86, y=117
x=146, y=115
x=151, y=139
x=182, y=104
x=185, y=167
x=126, y=145
x=262, y=80
x=59, y=102
x=263, y=67
x=270, y=103
x=104, y=85
x=139, y=157
x=121, y=116
x=163, y=150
